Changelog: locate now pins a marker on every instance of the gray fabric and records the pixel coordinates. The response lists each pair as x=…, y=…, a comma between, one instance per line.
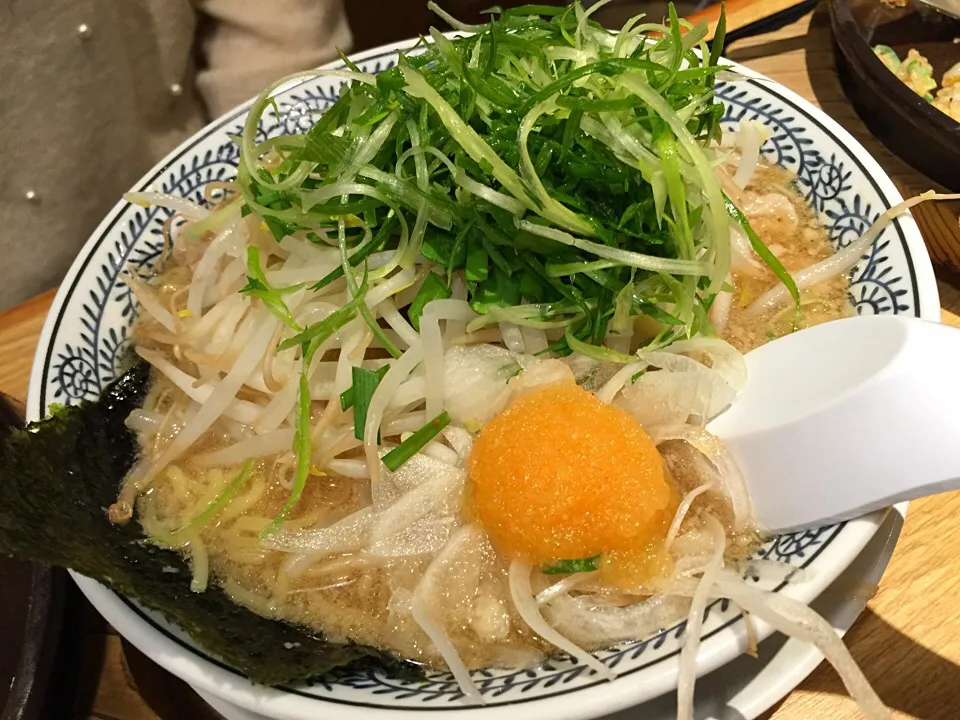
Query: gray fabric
x=84, y=115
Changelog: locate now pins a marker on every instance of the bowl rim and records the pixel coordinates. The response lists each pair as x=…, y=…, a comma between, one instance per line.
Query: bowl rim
x=596, y=699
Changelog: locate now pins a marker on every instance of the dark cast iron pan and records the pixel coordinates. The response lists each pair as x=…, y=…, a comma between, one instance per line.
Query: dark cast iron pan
x=908, y=125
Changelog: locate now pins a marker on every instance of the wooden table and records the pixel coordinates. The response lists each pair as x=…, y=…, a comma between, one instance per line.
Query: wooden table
x=907, y=641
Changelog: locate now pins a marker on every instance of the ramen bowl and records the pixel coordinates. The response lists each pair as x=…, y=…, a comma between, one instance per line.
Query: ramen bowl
x=87, y=334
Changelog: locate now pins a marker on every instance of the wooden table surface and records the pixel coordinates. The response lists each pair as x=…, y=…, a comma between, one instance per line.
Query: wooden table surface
x=907, y=641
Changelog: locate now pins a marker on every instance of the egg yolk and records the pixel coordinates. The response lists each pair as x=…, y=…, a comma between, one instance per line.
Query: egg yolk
x=561, y=475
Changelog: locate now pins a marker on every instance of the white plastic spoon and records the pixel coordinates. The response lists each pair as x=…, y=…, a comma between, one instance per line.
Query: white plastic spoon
x=847, y=417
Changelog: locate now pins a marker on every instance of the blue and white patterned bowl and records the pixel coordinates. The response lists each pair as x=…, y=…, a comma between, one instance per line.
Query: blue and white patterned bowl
x=87, y=331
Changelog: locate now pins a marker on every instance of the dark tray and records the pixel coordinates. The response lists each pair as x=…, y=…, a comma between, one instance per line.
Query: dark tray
x=907, y=124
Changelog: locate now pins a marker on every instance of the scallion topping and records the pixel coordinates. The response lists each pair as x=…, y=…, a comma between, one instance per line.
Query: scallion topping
x=211, y=511
x=364, y=385
x=568, y=567
x=763, y=251
x=413, y=444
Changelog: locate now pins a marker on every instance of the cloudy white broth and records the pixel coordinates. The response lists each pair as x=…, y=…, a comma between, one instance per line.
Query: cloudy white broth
x=433, y=376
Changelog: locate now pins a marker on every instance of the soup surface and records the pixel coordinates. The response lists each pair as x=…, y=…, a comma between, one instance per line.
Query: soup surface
x=370, y=598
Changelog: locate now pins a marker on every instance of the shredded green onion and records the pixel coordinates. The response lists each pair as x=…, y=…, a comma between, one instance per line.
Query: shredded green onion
x=763, y=251
x=568, y=567
x=303, y=450
x=413, y=444
x=542, y=164
x=433, y=288
x=271, y=297
x=364, y=385
x=347, y=396
x=211, y=511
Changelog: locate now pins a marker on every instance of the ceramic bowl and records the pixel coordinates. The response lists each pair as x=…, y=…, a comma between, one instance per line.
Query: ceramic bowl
x=88, y=330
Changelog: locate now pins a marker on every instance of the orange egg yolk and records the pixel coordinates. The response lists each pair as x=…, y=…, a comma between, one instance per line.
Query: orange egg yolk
x=561, y=475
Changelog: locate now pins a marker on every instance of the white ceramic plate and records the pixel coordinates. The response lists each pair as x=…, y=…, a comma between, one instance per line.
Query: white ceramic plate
x=86, y=333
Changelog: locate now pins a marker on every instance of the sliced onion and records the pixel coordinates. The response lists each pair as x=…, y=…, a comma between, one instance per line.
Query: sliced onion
x=750, y=139
x=534, y=340
x=610, y=389
x=685, y=388
x=725, y=359
x=585, y=620
x=425, y=537
x=346, y=535
x=419, y=470
x=475, y=382
x=683, y=509
x=521, y=593
x=797, y=620
x=512, y=337
x=728, y=474
x=687, y=674
x=439, y=494
x=460, y=440
x=537, y=373
x=421, y=610
x=562, y=587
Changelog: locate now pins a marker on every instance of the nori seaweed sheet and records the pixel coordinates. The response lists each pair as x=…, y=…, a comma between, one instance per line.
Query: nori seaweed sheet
x=58, y=477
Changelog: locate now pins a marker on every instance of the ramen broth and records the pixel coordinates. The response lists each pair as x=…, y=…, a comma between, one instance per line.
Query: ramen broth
x=366, y=599
x=792, y=231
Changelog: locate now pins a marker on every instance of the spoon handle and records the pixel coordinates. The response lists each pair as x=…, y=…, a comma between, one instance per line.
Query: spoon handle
x=872, y=420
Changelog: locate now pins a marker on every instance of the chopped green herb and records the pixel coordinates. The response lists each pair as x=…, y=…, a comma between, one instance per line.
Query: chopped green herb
x=433, y=288
x=364, y=385
x=540, y=178
x=271, y=297
x=359, y=255
x=215, y=506
x=303, y=450
x=346, y=397
x=476, y=269
x=763, y=251
x=413, y=444
x=568, y=567
x=278, y=228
